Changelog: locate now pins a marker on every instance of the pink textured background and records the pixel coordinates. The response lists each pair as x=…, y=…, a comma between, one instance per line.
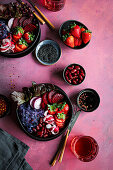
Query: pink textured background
x=96, y=58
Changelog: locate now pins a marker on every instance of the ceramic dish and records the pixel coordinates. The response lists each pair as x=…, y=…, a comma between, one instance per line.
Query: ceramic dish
x=48, y=52
x=4, y=106
x=88, y=100
x=66, y=25
x=28, y=50
x=61, y=130
x=74, y=74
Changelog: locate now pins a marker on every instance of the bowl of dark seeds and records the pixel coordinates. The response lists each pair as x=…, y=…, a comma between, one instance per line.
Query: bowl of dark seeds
x=48, y=52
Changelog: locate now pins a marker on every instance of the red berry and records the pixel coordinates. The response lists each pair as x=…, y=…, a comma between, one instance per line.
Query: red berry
x=74, y=82
x=37, y=127
x=81, y=78
x=82, y=74
x=71, y=67
x=78, y=72
x=77, y=67
x=73, y=71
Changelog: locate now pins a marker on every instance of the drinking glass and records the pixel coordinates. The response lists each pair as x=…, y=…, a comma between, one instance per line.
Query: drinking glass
x=85, y=148
x=54, y=5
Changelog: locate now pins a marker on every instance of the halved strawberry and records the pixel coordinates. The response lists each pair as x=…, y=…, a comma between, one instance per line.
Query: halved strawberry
x=50, y=94
x=22, y=44
x=29, y=37
x=45, y=98
x=68, y=40
x=29, y=28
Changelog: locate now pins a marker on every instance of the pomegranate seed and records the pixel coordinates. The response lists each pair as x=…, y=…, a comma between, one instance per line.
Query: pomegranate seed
x=78, y=72
x=81, y=70
x=75, y=74
x=37, y=127
x=43, y=128
x=71, y=67
x=45, y=135
x=70, y=76
x=82, y=74
x=81, y=78
x=74, y=82
x=80, y=81
x=34, y=130
x=40, y=125
x=73, y=71
x=77, y=67
x=41, y=120
x=66, y=73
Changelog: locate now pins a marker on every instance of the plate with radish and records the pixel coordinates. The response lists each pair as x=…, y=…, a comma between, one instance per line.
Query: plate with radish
x=43, y=110
x=75, y=34
x=19, y=31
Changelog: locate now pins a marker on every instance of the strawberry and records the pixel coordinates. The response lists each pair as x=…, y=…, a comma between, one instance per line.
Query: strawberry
x=17, y=33
x=52, y=109
x=75, y=31
x=68, y=40
x=17, y=48
x=76, y=42
x=29, y=37
x=30, y=28
x=44, y=98
x=86, y=36
x=22, y=44
x=79, y=41
x=82, y=29
x=65, y=108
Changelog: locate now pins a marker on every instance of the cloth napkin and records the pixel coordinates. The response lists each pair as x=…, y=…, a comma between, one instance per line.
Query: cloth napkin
x=12, y=153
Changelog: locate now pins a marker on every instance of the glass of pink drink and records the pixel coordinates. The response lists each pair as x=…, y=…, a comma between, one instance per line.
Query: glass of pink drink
x=85, y=148
x=54, y=5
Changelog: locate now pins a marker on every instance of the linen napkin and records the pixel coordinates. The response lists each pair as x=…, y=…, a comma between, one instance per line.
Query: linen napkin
x=12, y=153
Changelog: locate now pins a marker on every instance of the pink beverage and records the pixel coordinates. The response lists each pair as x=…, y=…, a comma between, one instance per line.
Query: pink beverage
x=54, y=5
x=85, y=148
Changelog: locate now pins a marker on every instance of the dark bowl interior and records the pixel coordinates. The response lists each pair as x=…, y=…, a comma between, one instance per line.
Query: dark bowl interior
x=94, y=98
x=7, y=105
x=70, y=66
x=61, y=131
x=65, y=25
x=29, y=49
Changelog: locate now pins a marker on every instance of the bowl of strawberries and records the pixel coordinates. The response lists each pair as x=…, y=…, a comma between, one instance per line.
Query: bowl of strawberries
x=74, y=34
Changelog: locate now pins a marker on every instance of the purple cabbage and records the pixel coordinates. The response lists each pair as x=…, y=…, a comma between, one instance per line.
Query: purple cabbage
x=29, y=116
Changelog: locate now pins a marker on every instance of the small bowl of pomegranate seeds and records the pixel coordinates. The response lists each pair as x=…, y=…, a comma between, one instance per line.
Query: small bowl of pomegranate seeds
x=4, y=106
x=74, y=74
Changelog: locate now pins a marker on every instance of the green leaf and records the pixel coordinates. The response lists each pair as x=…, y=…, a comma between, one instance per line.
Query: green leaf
x=61, y=116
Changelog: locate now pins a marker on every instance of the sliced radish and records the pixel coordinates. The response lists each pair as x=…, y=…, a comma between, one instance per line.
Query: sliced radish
x=55, y=130
x=49, y=119
x=31, y=101
x=37, y=103
x=45, y=113
x=10, y=23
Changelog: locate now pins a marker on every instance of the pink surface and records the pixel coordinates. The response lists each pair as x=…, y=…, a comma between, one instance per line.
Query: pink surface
x=96, y=58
